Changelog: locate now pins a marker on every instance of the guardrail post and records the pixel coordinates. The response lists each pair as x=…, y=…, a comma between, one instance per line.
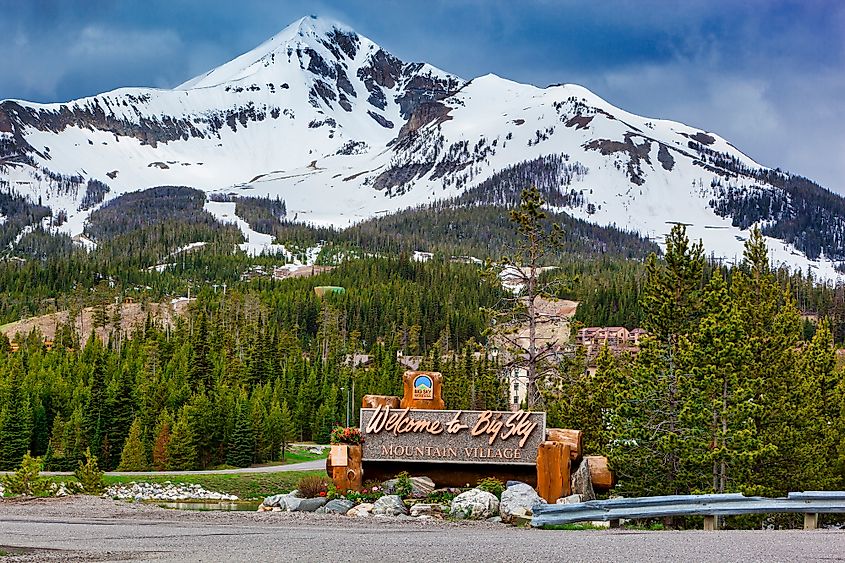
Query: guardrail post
x=811, y=521
x=711, y=523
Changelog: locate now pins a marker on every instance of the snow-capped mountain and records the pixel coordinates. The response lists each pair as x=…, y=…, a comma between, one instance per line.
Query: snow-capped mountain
x=342, y=130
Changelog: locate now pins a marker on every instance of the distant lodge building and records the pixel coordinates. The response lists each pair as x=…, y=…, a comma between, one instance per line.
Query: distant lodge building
x=616, y=338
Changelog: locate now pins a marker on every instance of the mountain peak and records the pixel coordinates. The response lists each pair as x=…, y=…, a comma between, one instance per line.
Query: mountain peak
x=307, y=32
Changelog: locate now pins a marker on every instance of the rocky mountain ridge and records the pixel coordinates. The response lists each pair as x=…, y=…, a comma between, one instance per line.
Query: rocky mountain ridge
x=342, y=130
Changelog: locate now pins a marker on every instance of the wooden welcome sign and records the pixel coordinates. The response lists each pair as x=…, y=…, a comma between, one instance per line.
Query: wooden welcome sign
x=458, y=447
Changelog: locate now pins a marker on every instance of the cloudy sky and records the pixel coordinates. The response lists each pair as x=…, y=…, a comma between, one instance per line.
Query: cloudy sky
x=767, y=75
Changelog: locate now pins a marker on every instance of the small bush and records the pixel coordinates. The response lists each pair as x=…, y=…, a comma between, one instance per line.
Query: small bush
x=26, y=480
x=404, y=486
x=89, y=475
x=442, y=496
x=492, y=485
x=312, y=486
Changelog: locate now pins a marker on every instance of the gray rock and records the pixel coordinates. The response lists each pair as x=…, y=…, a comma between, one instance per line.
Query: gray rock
x=275, y=500
x=389, y=505
x=571, y=499
x=339, y=506
x=321, y=510
x=495, y=519
x=363, y=510
x=428, y=510
x=421, y=486
x=292, y=503
x=510, y=484
x=582, y=484
x=311, y=504
x=475, y=504
x=517, y=498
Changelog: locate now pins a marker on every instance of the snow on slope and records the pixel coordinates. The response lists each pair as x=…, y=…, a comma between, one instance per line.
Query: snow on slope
x=343, y=131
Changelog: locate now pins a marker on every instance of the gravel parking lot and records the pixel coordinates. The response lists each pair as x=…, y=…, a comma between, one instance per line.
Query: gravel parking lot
x=85, y=529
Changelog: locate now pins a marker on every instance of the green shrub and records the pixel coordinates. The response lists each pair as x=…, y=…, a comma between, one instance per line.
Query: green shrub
x=26, y=480
x=492, y=485
x=89, y=475
x=404, y=486
x=312, y=486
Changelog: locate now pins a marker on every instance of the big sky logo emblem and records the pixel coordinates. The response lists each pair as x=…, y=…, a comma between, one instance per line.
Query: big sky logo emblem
x=423, y=387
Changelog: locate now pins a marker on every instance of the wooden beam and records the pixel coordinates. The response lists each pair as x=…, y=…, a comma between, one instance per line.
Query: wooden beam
x=811, y=521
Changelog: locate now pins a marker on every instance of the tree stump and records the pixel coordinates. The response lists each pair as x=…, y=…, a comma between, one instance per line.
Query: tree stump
x=553, y=471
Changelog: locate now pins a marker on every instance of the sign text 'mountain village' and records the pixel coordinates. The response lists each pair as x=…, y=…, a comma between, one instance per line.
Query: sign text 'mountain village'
x=452, y=436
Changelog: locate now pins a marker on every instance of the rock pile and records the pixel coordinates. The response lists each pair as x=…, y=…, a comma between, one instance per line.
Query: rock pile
x=516, y=505
x=167, y=491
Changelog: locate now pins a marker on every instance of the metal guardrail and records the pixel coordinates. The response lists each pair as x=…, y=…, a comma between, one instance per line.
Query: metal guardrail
x=810, y=503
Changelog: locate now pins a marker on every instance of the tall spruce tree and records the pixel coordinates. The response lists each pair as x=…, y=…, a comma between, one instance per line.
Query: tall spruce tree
x=242, y=441
x=14, y=422
x=721, y=441
x=772, y=327
x=649, y=436
x=817, y=412
x=287, y=428
x=201, y=371
x=133, y=457
x=181, y=449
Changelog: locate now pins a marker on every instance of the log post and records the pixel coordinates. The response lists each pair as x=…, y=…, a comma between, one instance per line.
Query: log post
x=553, y=471
x=422, y=390
x=600, y=474
x=346, y=467
x=572, y=438
x=711, y=523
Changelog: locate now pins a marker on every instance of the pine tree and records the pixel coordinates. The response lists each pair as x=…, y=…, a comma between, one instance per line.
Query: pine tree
x=14, y=427
x=287, y=428
x=772, y=327
x=181, y=449
x=272, y=432
x=40, y=435
x=133, y=457
x=95, y=425
x=242, y=442
x=817, y=414
x=162, y=440
x=121, y=407
x=721, y=442
x=648, y=446
x=201, y=368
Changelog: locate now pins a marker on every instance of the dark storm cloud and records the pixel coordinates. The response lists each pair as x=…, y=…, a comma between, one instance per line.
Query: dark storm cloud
x=767, y=75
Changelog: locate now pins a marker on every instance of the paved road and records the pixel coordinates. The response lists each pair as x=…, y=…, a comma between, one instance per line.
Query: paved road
x=71, y=534
x=317, y=464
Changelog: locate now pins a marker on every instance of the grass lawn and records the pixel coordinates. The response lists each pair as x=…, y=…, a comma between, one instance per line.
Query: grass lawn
x=297, y=456
x=243, y=485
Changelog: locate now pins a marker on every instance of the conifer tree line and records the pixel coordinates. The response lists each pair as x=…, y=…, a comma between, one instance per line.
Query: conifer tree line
x=243, y=376
x=725, y=394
